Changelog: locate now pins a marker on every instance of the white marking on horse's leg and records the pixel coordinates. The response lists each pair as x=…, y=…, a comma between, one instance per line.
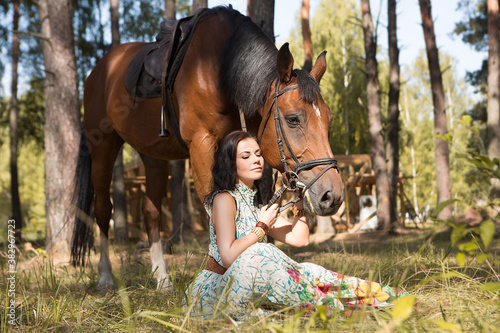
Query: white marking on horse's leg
x=104, y=266
x=159, y=266
x=308, y=199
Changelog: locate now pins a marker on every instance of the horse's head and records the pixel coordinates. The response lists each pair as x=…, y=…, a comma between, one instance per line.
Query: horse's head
x=296, y=118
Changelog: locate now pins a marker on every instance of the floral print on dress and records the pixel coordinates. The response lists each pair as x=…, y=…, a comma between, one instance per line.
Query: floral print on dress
x=263, y=274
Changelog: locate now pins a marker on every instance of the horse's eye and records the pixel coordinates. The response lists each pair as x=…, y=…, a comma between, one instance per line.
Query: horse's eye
x=292, y=120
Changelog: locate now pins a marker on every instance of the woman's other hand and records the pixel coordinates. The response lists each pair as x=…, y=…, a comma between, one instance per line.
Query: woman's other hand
x=268, y=215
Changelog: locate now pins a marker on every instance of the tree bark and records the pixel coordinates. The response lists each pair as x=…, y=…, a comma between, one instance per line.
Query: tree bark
x=14, y=138
x=197, y=4
x=306, y=36
x=180, y=212
x=115, y=22
x=393, y=112
x=377, y=141
x=62, y=119
x=493, y=107
x=119, y=197
x=170, y=9
x=262, y=13
x=440, y=127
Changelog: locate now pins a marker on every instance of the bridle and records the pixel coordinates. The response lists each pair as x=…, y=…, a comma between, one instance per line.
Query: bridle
x=290, y=178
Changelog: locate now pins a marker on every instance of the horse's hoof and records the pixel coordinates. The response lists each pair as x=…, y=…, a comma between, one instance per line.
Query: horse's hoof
x=164, y=284
x=105, y=284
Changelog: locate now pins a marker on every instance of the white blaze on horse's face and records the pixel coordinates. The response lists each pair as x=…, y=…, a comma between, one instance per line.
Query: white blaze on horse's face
x=318, y=111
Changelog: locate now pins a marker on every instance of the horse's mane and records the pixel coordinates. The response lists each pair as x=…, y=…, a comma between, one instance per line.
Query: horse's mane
x=248, y=65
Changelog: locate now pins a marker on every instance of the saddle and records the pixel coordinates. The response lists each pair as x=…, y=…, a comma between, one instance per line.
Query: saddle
x=148, y=69
x=152, y=73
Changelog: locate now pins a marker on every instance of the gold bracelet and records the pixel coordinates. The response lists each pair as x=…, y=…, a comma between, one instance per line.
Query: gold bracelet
x=259, y=232
x=298, y=212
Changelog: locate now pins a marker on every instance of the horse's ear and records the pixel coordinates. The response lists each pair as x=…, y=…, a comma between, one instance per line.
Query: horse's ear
x=319, y=67
x=285, y=63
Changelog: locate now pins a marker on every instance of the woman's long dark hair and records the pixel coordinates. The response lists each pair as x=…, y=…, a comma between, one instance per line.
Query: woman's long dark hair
x=224, y=168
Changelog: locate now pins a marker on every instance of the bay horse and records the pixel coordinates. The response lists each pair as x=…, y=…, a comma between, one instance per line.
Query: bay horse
x=230, y=65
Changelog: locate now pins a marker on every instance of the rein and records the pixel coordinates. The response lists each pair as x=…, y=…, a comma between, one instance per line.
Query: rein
x=291, y=180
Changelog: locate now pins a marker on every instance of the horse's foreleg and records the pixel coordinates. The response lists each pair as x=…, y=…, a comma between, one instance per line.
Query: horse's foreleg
x=156, y=181
x=202, y=151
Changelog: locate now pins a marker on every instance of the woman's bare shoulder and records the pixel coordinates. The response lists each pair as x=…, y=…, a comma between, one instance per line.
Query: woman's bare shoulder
x=224, y=199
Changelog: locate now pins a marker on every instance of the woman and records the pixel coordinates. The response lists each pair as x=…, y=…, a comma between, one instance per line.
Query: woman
x=243, y=268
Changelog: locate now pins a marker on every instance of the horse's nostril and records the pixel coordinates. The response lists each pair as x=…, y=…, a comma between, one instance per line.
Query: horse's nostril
x=326, y=200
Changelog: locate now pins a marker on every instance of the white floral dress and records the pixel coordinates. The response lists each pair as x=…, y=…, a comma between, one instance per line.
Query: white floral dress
x=265, y=276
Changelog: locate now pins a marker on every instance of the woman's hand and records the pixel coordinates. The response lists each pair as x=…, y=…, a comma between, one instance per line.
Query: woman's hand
x=268, y=215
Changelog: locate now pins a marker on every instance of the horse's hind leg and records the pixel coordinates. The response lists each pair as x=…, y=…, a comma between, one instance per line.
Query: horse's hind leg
x=103, y=158
x=156, y=181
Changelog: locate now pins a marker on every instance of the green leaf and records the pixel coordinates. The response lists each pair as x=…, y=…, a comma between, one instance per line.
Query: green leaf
x=490, y=286
x=442, y=205
x=470, y=246
x=461, y=258
x=448, y=137
x=466, y=120
x=457, y=234
x=447, y=326
x=486, y=232
x=481, y=257
x=403, y=308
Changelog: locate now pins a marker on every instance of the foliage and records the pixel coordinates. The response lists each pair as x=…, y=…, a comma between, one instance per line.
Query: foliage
x=30, y=160
x=89, y=26
x=343, y=84
x=480, y=236
x=140, y=20
x=417, y=135
x=474, y=31
x=31, y=116
x=474, y=27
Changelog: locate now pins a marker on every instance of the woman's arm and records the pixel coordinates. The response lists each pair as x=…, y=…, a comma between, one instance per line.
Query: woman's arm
x=223, y=218
x=295, y=233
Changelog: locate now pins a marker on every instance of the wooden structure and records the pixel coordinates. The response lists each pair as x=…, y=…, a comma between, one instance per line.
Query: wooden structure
x=359, y=179
x=357, y=175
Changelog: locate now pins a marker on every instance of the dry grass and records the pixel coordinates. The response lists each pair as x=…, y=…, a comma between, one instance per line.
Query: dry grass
x=55, y=297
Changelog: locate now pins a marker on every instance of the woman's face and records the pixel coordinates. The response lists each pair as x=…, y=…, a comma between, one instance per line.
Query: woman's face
x=249, y=162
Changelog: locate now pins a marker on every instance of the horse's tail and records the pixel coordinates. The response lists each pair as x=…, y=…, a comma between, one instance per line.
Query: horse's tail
x=83, y=202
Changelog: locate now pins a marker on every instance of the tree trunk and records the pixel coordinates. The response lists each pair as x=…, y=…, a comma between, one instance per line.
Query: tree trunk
x=440, y=127
x=393, y=112
x=170, y=9
x=119, y=197
x=14, y=111
x=62, y=119
x=493, y=108
x=180, y=212
x=306, y=36
x=377, y=141
x=115, y=22
x=197, y=4
x=262, y=13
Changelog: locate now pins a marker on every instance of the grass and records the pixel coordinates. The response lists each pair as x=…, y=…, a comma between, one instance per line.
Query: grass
x=56, y=297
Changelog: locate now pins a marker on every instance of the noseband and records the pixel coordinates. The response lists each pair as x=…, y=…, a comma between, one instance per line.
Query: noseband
x=290, y=178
